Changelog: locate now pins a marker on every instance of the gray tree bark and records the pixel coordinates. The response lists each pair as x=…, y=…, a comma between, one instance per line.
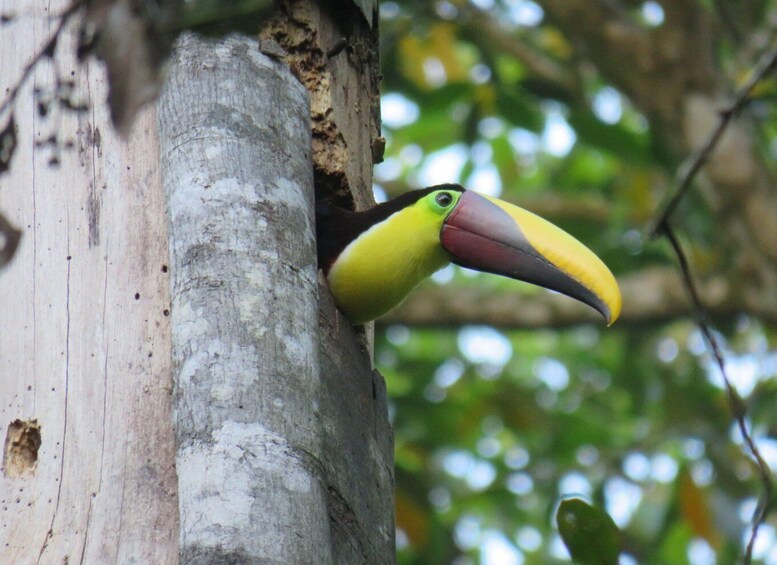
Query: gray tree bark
x=284, y=451
x=235, y=151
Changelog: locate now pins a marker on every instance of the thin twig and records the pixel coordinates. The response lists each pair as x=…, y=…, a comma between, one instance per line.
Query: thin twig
x=688, y=170
x=686, y=173
x=734, y=400
x=44, y=51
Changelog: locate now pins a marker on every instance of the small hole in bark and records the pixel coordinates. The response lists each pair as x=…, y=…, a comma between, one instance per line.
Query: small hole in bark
x=20, y=454
x=137, y=296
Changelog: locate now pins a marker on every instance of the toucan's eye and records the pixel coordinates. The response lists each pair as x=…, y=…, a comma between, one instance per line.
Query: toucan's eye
x=444, y=199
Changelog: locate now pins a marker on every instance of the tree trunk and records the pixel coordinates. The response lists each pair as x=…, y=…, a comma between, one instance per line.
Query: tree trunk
x=284, y=451
x=88, y=474
x=239, y=182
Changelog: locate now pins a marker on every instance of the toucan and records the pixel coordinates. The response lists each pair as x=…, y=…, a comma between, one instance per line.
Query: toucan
x=374, y=259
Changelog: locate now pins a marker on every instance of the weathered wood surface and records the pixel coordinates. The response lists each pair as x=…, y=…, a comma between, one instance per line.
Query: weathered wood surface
x=85, y=347
x=334, y=54
x=84, y=339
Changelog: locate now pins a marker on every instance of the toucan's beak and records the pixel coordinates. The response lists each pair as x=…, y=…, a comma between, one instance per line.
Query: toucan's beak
x=493, y=236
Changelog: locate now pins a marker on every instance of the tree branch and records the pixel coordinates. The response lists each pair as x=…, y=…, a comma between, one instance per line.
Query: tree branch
x=496, y=38
x=655, y=295
x=44, y=51
x=735, y=402
x=655, y=67
x=696, y=161
x=669, y=73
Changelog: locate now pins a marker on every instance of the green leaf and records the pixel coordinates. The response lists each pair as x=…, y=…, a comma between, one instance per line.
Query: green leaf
x=518, y=109
x=589, y=533
x=547, y=89
x=614, y=138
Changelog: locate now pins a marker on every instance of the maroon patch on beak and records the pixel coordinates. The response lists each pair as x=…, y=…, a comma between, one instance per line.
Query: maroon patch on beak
x=479, y=235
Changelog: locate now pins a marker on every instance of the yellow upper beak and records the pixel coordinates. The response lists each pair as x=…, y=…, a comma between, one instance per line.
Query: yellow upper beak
x=490, y=235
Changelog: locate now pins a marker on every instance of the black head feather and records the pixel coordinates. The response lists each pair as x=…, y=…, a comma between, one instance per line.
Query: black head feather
x=337, y=227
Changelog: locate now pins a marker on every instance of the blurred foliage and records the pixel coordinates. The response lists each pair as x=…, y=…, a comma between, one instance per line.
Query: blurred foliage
x=216, y=18
x=493, y=429
x=629, y=419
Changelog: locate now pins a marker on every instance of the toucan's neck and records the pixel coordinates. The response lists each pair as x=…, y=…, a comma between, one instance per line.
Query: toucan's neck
x=336, y=227
x=380, y=267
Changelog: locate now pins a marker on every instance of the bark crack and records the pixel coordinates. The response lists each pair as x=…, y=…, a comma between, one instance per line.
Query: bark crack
x=86, y=532
x=65, y=415
x=106, y=347
x=342, y=515
x=121, y=505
